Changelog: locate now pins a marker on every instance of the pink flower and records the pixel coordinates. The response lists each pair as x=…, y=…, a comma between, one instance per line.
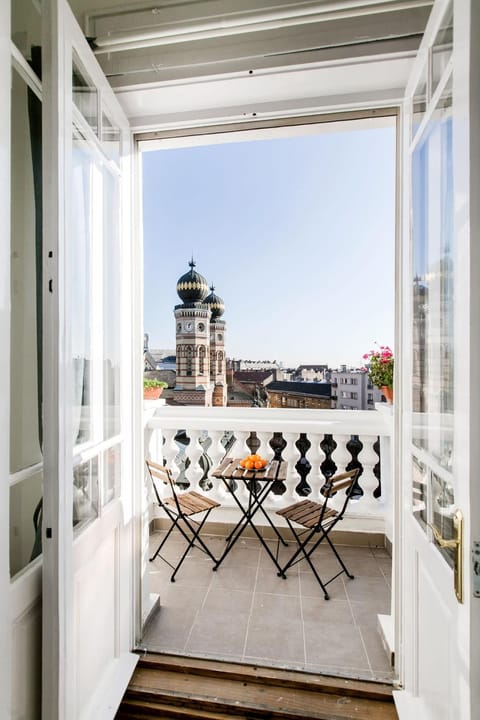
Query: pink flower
x=366, y=356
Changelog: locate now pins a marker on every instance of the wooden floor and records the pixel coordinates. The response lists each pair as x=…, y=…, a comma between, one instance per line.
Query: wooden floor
x=168, y=686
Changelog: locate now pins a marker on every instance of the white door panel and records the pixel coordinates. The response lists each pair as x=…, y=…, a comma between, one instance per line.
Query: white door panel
x=437, y=463
x=88, y=497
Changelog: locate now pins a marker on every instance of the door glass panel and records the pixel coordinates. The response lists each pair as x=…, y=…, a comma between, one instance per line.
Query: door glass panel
x=442, y=47
x=110, y=139
x=443, y=508
x=27, y=29
x=112, y=331
x=85, y=492
x=419, y=492
x=419, y=100
x=26, y=278
x=433, y=289
x=25, y=522
x=80, y=288
x=85, y=94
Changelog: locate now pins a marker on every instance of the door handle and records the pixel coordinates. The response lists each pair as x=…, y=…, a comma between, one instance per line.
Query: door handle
x=456, y=544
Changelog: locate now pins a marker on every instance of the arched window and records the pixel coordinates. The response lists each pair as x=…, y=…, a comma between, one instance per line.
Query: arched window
x=220, y=364
x=201, y=359
x=189, y=352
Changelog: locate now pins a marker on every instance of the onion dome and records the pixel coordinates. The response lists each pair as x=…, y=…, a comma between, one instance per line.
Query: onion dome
x=216, y=304
x=192, y=287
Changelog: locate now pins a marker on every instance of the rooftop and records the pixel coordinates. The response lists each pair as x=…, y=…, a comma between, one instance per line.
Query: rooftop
x=301, y=388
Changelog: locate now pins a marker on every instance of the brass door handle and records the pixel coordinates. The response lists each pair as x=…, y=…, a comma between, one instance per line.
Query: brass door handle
x=441, y=540
x=456, y=544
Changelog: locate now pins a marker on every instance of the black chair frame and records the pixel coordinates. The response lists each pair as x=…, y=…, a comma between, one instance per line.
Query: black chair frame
x=319, y=518
x=180, y=507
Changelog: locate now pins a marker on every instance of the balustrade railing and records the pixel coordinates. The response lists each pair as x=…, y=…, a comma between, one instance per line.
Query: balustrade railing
x=315, y=443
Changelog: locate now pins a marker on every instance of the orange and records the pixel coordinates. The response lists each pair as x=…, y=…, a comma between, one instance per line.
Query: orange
x=242, y=463
x=259, y=464
x=249, y=464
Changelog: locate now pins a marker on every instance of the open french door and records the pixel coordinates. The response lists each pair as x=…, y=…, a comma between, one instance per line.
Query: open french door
x=439, y=414
x=88, y=517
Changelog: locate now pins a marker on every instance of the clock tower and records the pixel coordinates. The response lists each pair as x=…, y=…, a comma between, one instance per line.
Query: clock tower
x=192, y=327
x=218, y=361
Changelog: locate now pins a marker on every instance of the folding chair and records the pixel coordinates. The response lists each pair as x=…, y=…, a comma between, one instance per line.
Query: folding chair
x=318, y=518
x=181, y=507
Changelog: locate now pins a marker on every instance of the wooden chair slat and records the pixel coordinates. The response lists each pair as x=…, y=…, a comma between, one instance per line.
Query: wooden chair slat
x=343, y=484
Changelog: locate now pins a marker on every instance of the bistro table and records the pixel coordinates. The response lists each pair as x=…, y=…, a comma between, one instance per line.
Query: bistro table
x=259, y=484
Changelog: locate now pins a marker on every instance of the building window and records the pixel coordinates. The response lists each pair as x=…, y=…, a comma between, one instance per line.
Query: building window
x=201, y=360
x=284, y=401
x=220, y=364
x=354, y=396
x=353, y=381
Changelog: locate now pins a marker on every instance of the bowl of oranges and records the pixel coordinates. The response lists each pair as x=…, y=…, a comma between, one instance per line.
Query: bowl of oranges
x=253, y=462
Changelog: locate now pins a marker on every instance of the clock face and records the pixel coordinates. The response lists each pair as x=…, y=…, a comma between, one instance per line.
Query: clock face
x=189, y=326
x=201, y=327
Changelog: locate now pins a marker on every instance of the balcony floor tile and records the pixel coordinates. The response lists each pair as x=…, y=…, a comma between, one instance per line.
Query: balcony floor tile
x=244, y=612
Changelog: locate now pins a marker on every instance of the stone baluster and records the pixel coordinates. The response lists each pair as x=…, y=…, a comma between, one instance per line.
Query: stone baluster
x=341, y=457
x=264, y=449
x=216, y=453
x=291, y=456
x=194, y=451
x=368, y=482
x=315, y=457
x=239, y=450
x=169, y=454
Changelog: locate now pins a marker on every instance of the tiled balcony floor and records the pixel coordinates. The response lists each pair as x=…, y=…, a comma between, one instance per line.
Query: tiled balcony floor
x=243, y=612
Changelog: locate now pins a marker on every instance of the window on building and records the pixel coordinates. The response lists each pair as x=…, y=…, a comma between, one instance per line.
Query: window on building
x=354, y=396
x=201, y=359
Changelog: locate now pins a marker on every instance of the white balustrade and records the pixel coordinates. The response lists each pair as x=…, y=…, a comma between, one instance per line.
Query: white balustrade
x=315, y=424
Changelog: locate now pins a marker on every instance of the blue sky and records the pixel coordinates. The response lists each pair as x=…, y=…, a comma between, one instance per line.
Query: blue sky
x=296, y=234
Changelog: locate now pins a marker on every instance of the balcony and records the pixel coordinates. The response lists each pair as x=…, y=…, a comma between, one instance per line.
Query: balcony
x=244, y=612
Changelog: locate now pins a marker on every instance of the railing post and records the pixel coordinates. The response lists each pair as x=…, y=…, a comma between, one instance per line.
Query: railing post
x=194, y=452
x=368, y=482
x=290, y=455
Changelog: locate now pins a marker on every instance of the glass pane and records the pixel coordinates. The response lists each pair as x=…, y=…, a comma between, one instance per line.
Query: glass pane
x=25, y=522
x=442, y=47
x=419, y=492
x=27, y=30
x=110, y=139
x=433, y=289
x=85, y=492
x=80, y=288
x=26, y=278
x=443, y=508
x=85, y=95
x=419, y=101
x=112, y=332
x=111, y=472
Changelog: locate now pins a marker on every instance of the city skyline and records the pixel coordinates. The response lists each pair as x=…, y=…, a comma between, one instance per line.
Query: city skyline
x=296, y=234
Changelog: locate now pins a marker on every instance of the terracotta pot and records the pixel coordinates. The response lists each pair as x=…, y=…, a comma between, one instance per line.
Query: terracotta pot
x=152, y=393
x=387, y=393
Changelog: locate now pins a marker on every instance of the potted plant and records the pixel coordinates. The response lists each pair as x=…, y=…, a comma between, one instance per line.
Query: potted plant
x=152, y=389
x=380, y=370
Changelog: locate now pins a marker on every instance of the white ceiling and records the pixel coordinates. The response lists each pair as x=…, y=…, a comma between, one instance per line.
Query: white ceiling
x=175, y=63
